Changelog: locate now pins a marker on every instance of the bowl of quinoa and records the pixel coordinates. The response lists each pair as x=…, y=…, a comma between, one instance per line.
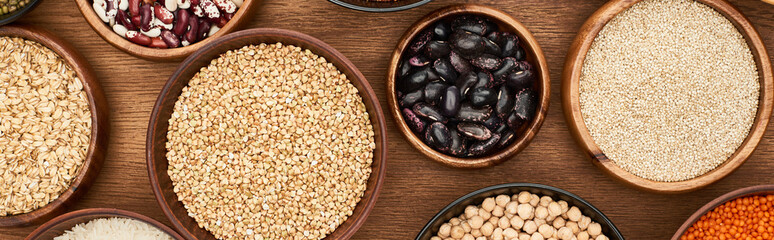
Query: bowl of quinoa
x=267, y=133
x=668, y=95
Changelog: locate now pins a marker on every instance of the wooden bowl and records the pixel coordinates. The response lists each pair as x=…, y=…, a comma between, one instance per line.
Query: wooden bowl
x=57, y=226
x=241, y=17
x=157, y=130
x=380, y=6
x=100, y=127
x=457, y=207
x=571, y=102
x=13, y=16
x=534, y=56
x=744, y=192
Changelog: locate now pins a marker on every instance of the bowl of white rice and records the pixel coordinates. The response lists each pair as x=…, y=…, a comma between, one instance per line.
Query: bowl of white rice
x=103, y=223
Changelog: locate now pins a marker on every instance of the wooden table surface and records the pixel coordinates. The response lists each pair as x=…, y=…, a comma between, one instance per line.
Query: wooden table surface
x=415, y=188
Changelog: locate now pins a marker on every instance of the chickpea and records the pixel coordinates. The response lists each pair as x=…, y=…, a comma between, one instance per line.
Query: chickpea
x=504, y=222
x=601, y=237
x=583, y=236
x=476, y=222
x=494, y=220
x=510, y=233
x=454, y=221
x=584, y=223
x=523, y=236
x=539, y=221
x=484, y=214
x=471, y=211
x=559, y=223
x=512, y=207
x=565, y=206
x=481, y=238
x=508, y=215
x=497, y=234
x=534, y=200
x=498, y=211
x=536, y=236
x=594, y=229
x=487, y=229
x=545, y=200
x=436, y=238
x=541, y=212
x=550, y=218
x=502, y=200
x=466, y=226
x=554, y=209
x=476, y=233
x=444, y=230
x=530, y=227
x=525, y=211
x=517, y=222
x=457, y=232
x=573, y=226
x=574, y=214
x=468, y=237
x=564, y=233
x=488, y=204
x=524, y=197
x=546, y=230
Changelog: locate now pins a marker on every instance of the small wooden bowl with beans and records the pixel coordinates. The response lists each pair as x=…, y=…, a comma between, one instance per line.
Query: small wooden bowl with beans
x=762, y=191
x=100, y=127
x=530, y=55
x=156, y=150
x=57, y=226
x=580, y=130
x=156, y=49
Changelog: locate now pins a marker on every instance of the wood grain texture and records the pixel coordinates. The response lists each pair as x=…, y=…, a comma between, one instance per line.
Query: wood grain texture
x=534, y=55
x=572, y=110
x=416, y=187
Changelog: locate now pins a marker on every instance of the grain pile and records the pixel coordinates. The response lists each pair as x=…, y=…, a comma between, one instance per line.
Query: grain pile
x=114, y=229
x=669, y=89
x=45, y=125
x=270, y=141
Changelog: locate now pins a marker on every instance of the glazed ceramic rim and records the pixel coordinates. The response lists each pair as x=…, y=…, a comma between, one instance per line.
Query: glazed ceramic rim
x=377, y=9
x=454, y=203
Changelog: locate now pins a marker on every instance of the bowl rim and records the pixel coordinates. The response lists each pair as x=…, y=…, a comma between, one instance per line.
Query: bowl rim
x=102, y=213
x=380, y=9
x=241, y=17
x=100, y=124
x=15, y=15
x=319, y=46
x=475, y=193
x=711, y=205
x=528, y=41
x=571, y=103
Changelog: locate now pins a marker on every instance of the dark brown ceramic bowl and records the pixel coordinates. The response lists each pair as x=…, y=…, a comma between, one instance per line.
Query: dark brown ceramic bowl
x=534, y=56
x=380, y=6
x=457, y=207
x=241, y=17
x=744, y=192
x=571, y=101
x=57, y=226
x=100, y=127
x=157, y=130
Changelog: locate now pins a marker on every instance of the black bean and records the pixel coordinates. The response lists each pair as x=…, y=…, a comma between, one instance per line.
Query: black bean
x=505, y=100
x=460, y=64
x=450, y=103
x=442, y=30
x=473, y=24
x=405, y=69
x=437, y=49
x=419, y=41
x=474, y=130
x=483, y=147
x=520, y=80
x=486, y=62
x=468, y=113
x=482, y=97
x=506, y=138
x=485, y=79
x=408, y=100
x=415, y=123
x=438, y=136
x=467, y=44
x=494, y=123
x=466, y=82
x=419, y=61
x=429, y=112
x=445, y=70
x=414, y=81
x=457, y=147
x=434, y=91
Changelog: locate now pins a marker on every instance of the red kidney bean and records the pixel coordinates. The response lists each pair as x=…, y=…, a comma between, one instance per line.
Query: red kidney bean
x=193, y=31
x=123, y=19
x=170, y=38
x=222, y=21
x=182, y=22
x=138, y=38
x=197, y=10
x=134, y=7
x=147, y=17
x=210, y=9
x=194, y=2
x=228, y=16
x=157, y=42
x=227, y=6
x=136, y=20
x=204, y=28
x=163, y=14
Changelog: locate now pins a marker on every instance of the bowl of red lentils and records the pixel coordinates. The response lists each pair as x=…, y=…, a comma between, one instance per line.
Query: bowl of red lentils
x=746, y=213
x=523, y=211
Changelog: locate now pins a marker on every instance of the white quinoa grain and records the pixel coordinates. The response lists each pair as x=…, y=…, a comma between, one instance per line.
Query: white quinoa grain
x=669, y=89
x=270, y=142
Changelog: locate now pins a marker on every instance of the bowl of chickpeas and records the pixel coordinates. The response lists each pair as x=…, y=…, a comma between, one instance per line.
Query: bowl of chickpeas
x=523, y=211
x=746, y=213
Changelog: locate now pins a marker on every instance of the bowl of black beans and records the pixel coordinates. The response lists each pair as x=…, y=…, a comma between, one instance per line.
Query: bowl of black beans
x=468, y=86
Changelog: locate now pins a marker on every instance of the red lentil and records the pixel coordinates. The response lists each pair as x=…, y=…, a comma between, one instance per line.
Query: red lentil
x=741, y=218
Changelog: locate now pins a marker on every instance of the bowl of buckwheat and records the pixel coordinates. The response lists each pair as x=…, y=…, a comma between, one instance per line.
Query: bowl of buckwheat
x=267, y=134
x=524, y=211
